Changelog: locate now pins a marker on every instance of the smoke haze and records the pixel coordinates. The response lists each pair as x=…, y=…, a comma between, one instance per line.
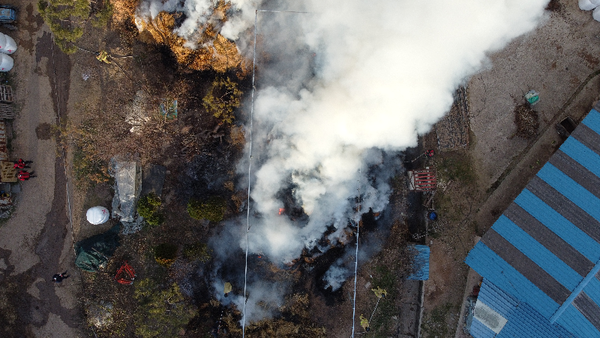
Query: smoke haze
x=340, y=89
x=381, y=73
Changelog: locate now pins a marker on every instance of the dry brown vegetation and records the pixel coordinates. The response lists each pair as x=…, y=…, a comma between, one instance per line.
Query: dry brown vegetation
x=213, y=52
x=123, y=10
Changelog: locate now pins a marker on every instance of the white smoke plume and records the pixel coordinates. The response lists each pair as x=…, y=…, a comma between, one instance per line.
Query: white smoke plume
x=198, y=13
x=384, y=72
x=342, y=87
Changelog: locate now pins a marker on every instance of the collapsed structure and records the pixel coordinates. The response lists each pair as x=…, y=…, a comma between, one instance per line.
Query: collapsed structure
x=540, y=261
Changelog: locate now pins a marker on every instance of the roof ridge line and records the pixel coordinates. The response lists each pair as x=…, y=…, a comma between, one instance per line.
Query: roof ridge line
x=576, y=292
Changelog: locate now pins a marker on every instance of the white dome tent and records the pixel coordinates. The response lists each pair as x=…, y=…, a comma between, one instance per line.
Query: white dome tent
x=97, y=215
x=6, y=63
x=596, y=14
x=7, y=44
x=587, y=5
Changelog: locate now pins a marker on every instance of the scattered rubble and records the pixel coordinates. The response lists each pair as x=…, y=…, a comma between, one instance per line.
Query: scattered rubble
x=453, y=130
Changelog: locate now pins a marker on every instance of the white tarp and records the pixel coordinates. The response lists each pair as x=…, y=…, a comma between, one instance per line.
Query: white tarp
x=6, y=63
x=7, y=44
x=97, y=215
x=586, y=5
x=128, y=186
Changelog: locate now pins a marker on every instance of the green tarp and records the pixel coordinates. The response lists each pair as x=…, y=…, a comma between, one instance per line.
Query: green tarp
x=93, y=253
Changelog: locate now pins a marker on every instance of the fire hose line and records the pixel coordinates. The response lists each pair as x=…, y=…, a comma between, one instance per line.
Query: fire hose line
x=249, y=178
x=250, y=164
x=356, y=263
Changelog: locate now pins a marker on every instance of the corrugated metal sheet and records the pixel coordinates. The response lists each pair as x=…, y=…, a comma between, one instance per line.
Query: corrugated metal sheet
x=544, y=251
x=523, y=320
x=420, y=262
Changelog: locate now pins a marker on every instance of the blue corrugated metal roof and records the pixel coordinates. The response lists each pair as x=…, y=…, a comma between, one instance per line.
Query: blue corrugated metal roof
x=420, y=262
x=537, y=252
x=558, y=295
x=559, y=225
x=489, y=265
x=523, y=320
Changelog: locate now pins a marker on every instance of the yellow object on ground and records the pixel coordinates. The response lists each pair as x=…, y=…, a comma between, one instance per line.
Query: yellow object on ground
x=103, y=57
x=364, y=322
x=379, y=292
x=228, y=288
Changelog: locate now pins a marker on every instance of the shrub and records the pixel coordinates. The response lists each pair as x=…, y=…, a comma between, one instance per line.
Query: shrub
x=66, y=19
x=222, y=99
x=197, y=252
x=148, y=207
x=165, y=254
x=212, y=209
x=161, y=312
x=88, y=169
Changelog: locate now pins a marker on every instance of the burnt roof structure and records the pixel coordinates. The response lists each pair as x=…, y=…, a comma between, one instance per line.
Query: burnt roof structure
x=541, y=259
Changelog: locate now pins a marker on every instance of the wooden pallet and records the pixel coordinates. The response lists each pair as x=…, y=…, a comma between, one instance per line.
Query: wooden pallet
x=6, y=94
x=6, y=111
x=3, y=142
x=8, y=173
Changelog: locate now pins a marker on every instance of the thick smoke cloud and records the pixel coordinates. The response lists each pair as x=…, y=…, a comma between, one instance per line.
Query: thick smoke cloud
x=340, y=88
x=384, y=72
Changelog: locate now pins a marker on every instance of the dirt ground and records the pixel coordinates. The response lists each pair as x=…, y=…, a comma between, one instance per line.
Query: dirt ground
x=558, y=60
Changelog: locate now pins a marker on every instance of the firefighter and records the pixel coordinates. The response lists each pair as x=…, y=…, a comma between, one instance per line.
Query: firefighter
x=103, y=56
x=379, y=292
x=20, y=164
x=364, y=322
x=227, y=289
x=23, y=175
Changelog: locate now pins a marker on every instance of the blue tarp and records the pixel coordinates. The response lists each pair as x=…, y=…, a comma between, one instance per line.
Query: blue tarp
x=420, y=262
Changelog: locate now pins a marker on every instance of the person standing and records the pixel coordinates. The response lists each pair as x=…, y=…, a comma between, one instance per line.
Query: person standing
x=23, y=175
x=20, y=164
x=57, y=278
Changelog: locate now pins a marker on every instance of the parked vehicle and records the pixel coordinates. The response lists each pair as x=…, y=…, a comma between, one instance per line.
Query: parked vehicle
x=8, y=16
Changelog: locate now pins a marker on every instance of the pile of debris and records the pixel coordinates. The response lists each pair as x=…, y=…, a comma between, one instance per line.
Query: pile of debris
x=453, y=130
x=527, y=121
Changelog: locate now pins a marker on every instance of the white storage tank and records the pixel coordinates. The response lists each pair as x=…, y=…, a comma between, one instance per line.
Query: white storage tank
x=7, y=44
x=97, y=215
x=6, y=63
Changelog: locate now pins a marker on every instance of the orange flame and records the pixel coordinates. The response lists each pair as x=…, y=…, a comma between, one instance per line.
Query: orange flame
x=281, y=210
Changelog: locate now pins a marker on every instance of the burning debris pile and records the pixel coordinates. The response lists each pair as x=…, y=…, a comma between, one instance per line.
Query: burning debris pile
x=204, y=49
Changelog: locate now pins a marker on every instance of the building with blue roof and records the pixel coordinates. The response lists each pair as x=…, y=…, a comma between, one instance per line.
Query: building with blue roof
x=540, y=261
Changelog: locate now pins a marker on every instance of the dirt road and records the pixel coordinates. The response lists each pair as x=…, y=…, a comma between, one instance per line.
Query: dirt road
x=37, y=241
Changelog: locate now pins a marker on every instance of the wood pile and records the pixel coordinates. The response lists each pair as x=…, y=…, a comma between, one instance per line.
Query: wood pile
x=453, y=130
